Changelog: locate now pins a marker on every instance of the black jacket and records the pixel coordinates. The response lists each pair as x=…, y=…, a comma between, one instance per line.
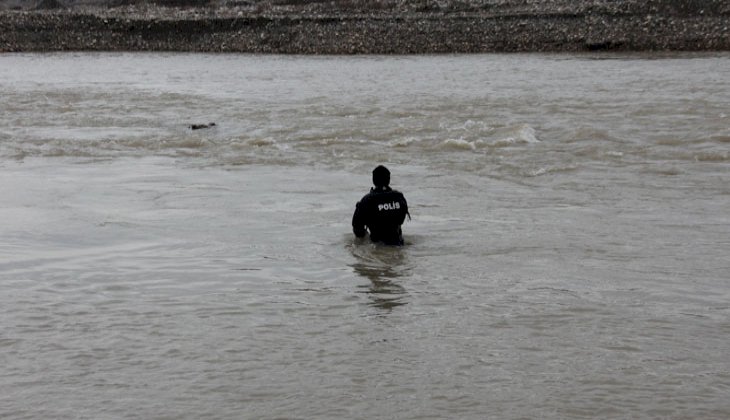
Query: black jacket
x=382, y=212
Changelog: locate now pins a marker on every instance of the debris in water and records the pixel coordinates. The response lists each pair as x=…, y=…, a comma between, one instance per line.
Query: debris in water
x=201, y=126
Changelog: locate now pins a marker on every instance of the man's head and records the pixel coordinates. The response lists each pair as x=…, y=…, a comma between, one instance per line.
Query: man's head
x=381, y=176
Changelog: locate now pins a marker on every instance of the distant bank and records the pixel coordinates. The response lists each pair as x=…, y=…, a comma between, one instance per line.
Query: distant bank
x=369, y=27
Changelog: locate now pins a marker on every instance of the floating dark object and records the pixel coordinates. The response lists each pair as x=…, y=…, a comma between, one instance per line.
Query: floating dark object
x=201, y=126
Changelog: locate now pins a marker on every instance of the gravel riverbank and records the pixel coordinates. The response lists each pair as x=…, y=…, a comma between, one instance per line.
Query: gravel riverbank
x=374, y=27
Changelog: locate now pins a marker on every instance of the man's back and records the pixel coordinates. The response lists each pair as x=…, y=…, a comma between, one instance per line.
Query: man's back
x=382, y=212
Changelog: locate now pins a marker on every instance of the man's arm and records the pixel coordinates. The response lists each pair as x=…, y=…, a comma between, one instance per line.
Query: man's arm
x=404, y=209
x=358, y=221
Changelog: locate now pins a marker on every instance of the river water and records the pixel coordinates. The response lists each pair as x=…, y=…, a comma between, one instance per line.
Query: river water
x=568, y=256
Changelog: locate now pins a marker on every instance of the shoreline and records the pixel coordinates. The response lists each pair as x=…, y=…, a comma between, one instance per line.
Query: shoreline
x=605, y=26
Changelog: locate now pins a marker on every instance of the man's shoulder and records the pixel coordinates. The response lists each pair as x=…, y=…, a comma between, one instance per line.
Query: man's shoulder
x=395, y=193
x=366, y=197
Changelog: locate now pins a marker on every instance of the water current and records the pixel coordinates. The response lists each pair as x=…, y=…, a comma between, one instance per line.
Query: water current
x=568, y=256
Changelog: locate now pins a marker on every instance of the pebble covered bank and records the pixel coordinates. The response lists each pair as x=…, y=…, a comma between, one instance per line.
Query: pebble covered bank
x=367, y=27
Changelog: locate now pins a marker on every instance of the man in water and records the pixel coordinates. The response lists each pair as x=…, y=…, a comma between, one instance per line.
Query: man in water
x=382, y=211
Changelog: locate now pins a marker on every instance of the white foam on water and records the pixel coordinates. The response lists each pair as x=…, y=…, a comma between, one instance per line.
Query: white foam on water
x=518, y=135
x=404, y=142
x=458, y=144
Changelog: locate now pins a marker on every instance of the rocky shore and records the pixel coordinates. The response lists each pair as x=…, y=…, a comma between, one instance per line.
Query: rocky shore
x=369, y=27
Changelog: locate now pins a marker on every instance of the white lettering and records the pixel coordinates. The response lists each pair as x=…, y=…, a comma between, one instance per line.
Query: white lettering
x=389, y=206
